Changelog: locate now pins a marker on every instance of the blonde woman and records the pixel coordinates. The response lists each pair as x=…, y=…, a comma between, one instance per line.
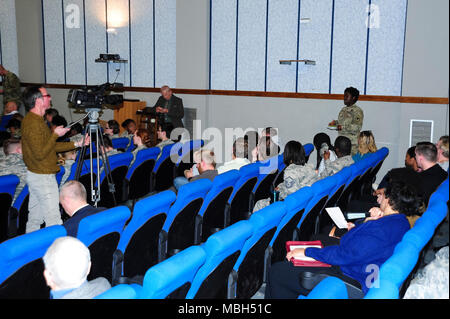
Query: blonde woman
x=366, y=145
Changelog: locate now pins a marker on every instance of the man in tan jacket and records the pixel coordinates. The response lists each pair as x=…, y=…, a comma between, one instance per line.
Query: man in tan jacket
x=39, y=148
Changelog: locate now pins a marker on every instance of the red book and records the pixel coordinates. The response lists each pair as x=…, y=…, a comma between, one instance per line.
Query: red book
x=305, y=261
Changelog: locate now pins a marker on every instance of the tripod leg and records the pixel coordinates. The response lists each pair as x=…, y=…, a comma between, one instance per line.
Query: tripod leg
x=107, y=169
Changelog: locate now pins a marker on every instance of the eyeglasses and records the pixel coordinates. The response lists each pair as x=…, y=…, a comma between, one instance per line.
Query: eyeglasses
x=46, y=95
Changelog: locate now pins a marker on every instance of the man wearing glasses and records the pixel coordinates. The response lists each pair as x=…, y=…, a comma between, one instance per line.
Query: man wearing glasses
x=39, y=148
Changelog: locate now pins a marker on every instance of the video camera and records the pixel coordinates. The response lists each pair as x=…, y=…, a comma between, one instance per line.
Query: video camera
x=96, y=96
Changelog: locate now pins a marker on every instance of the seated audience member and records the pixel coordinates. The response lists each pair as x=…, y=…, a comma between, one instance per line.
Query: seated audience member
x=112, y=129
x=369, y=243
x=9, y=111
x=297, y=173
x=66, y=159
x=343, y=149
x=410, y=158
x=109, y=149
x=442, y=146
x=13, y=163
x=273, y=134
x=238, y=156
x=252, y=138
x=13, y=127
x=366, y=145
x=75, y=129
x=431, y=174
x=72, y=198
x=142, y=140
x=206, y=166
x=130, y=128
x=49, y=114
x=163, y=132
x=67, y=264
x=265, y=149
x=432, y=281
x=59, y=120
x=322, y=143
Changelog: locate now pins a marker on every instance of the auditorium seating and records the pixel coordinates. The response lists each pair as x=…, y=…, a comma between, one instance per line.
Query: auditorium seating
x=248, y=272
x=138, y=181
x=211, y=217
x=137, y=249
x=163, y=172
x=329, y=288
x=101, y=234
x=20, y=206
x=222, y=251
x=186, y=156
x=120, y=143
x=21, y=265
x=235, y=254
x=8, y=184
x=178, y=231
x=264, y=185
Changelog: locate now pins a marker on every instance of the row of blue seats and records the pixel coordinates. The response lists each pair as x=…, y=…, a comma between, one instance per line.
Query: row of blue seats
x=160, y=210
x=234, y=262
x=394, y=273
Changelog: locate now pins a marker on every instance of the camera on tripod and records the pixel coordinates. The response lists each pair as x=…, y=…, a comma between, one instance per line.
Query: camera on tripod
x=96, y=96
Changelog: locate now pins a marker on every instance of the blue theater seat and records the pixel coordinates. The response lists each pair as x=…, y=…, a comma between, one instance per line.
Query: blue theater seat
x=8, y=184
x=186, y=156
x=264, y=185
x=120, y=142
x=101, y=234
x=178, y=231
x=211, y=217
x=118, y=165
x=163, y=172
x=21, y=275
x=308, y=147
x=351, y=186
x=249, y=270
x=20, y=206
x=137, y=250
x=328, y=288
x=138, y=181
x=168, y=280
x=85, y=175
x=308, y=225
x=119, y=292
x=222, y=251
x=239, y=204
x=295, y=205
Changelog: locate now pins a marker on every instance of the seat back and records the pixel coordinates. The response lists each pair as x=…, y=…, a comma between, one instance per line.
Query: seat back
x=8, y=184
x=120, y=142
x=186, y=158
x=350, y=186
x=309, y=223
x=180, y=222
x=268, y=173
x=138, y=245
x=138, y=181
x=239, y=203
x=164, y=168
x=119, y=292
x=170, y=280
x=118, y=164
x=329, y=288
x=21, y=275
x=253, y=259
x=101, y=233
x=21, y=206
x=222, y=251
x=211, y=216
x=295, y=205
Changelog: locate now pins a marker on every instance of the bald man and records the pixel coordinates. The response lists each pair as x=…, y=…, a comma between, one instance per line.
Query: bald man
x=73, y=199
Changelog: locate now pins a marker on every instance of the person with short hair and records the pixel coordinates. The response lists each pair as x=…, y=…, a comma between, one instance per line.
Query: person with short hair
x=238, y=157
x=168, y=107
x=265, y=149
x=13, y=127
x=39, y=148
x=112, y=129
x=10, y=110
x=73, y=199
x=67, y=265
x=343, y=149
x=442, y=146
x=13, y=163
x=410, y=158
x=350, y=119
x=130, y=128
x=49, y=114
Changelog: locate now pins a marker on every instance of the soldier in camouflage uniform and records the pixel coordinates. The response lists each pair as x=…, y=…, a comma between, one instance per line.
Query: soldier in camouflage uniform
x=297, y=174
x=11, y=87
x=342, y=147
x=13, y=163
x=350, y=119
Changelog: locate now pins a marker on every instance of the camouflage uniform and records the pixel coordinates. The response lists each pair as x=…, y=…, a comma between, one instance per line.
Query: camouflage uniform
x=295, y=177
x=351, y=119
x=11, y=89
x=14, y=164
x=68, y=168
x=161, y=146
x=332, y=168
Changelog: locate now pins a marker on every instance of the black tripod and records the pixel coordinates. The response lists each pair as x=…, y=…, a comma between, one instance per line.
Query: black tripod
x=93, y=130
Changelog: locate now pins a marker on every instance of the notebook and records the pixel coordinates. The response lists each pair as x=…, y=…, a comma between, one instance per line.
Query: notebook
x=305, y=261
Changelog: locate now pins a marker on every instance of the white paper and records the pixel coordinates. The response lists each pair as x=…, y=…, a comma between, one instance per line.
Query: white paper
x=337, y=216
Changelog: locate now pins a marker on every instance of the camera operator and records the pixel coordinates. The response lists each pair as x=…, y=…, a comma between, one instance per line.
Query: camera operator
x=39, y=149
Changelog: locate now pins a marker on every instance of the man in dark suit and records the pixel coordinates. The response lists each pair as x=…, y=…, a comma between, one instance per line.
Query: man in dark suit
x=168, y=107
x=72, y=198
